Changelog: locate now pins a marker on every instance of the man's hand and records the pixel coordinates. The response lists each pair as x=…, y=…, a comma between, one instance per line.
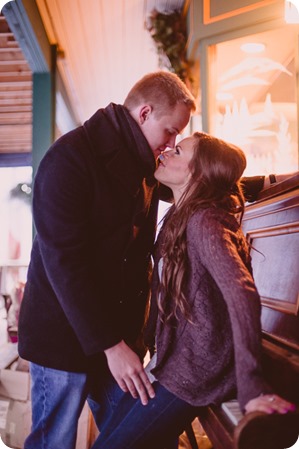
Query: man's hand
x=278, y=178
x=128, y=372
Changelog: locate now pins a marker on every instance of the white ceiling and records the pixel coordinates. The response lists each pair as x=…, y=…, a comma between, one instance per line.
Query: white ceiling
x=105, y=46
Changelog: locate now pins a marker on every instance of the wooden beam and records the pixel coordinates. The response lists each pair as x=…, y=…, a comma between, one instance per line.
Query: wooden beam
x=7, y=35
x=12, y=84
x=24, y=148
x=8, y=109
x=14, y=65
x=7, y=50
x=15, y=94
x=6, y=42
x=16, y=102
x=4, y=28
x=23, y=130
x=20, y=87
x=11, y=77
x=22, y=117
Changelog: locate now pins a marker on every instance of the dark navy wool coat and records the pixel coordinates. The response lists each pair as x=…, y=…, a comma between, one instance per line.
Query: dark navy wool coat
x=94, y=207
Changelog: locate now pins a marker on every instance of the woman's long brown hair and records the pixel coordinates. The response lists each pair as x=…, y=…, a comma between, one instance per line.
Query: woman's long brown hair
x=216, y=168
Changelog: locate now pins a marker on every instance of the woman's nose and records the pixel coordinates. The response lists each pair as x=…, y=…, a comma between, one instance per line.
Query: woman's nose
x=165, y=154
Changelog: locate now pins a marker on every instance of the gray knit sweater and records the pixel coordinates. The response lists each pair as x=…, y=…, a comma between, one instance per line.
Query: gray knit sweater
x=217, y=356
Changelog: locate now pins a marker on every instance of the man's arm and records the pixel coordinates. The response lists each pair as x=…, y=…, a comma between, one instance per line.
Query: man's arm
x=128, y=372
x=273, y=178
x=253, y=185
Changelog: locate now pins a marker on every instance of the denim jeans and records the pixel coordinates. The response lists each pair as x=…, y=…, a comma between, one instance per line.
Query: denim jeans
x=58, y=398
x=155, y=425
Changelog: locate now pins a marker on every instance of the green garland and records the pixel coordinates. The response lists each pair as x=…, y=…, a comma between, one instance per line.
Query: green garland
x=169, y=32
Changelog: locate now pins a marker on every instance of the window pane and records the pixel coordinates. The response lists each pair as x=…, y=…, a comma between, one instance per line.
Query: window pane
x=16, y=226
x=255, y=102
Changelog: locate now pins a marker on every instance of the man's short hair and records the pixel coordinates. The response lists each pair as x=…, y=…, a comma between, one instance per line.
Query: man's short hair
x=161, y=90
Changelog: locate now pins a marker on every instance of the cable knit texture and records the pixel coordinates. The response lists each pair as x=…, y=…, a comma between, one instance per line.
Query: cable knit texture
x=217, y=355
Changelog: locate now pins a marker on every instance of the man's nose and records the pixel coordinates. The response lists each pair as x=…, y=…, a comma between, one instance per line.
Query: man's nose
x=171, y=141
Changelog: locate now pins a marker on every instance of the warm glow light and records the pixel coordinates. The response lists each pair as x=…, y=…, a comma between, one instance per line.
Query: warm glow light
x=295, y=3
x=296, y=445
x=2, y=3
x=253, y=47
x=291, y=11
x=224, y=96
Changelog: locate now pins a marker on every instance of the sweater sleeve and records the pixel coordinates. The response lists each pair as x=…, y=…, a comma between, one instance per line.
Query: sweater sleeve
x=218, y=247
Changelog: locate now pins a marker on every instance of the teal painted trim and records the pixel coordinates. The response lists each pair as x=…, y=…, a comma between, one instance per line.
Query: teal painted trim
x=43, y=117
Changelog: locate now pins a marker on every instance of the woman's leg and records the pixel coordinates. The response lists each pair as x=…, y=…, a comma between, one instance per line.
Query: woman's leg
x=58, y=398
x=104, y=397
x=155, y=425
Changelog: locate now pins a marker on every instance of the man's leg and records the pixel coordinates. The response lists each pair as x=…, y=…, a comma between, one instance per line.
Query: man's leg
x=58, y=398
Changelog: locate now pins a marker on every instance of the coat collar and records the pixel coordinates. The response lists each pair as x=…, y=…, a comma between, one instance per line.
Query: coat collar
x=117, y=141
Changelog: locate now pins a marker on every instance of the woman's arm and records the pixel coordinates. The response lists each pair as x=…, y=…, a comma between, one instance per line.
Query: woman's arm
x=219, y=248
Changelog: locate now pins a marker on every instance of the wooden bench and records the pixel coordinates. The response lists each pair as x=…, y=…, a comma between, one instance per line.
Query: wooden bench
x=271, y=225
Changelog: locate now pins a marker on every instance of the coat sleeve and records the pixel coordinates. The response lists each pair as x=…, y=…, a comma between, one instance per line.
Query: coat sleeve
x=217, y=247
x=251, y=186
x=62, y=207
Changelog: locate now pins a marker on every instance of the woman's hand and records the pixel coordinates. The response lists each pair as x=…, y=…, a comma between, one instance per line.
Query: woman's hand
x=269, y=403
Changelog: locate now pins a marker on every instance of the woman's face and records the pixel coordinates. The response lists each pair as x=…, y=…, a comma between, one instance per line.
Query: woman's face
x=173, y=169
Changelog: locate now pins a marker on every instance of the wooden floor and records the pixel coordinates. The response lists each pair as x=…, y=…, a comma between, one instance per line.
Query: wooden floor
x=202, y=440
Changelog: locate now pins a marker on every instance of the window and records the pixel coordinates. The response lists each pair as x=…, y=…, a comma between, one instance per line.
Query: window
x=253, y=98
x=16, y=226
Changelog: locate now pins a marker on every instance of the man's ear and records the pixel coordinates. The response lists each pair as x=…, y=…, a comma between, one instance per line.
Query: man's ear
x=144, y=113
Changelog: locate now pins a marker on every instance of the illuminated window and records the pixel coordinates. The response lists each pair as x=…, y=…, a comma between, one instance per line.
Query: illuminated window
x=253, y=102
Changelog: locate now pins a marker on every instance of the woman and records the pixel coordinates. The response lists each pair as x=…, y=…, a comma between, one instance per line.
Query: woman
x=205, y=311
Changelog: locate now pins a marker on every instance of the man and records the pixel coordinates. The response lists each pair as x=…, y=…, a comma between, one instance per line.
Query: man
x=94, y=207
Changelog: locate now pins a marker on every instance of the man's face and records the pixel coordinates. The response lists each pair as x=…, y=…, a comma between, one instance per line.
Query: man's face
x=162, y=132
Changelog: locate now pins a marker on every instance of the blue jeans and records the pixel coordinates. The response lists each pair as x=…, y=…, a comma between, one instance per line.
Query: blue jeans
x=155, y=425
x=58, y=398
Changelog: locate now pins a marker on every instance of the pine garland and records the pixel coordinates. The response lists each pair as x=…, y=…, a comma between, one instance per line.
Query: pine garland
x=169, y=32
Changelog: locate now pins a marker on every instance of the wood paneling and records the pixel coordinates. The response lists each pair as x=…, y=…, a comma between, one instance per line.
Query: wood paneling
x=15, y=95
x=272, y=227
